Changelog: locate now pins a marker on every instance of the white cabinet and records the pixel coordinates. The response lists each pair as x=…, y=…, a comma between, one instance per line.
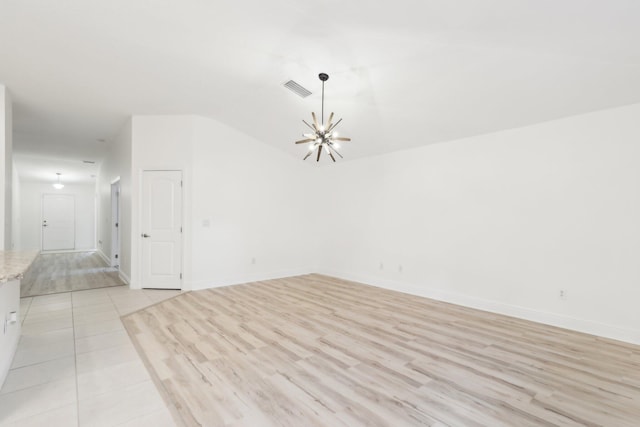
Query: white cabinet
x=9, y=324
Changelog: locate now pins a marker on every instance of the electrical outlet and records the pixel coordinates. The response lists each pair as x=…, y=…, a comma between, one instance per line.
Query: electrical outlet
x=563, y=294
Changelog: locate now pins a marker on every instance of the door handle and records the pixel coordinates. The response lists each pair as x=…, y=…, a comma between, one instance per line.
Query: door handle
x=145, y=235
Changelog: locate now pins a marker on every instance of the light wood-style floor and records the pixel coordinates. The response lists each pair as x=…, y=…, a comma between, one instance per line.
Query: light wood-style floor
x=318, y=351
x=66, y=272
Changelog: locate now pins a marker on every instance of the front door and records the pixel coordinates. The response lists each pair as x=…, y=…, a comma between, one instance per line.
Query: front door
x=161, y=228
x=58, y=222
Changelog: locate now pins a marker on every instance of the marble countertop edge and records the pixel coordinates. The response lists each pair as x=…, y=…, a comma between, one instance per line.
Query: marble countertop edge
x=13, y=264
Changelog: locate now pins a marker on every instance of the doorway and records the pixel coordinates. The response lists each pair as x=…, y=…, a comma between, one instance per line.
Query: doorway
x=115, y=224
x=161, y=229
x=58, y=222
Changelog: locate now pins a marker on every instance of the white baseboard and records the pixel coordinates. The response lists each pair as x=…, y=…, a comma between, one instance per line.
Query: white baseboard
x=554, y=319
x=104, y=257
x=248, y=278
x=69, y=251
x=121, y=275
x=124, y=277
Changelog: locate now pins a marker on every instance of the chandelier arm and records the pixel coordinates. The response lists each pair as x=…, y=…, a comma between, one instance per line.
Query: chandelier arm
x=335, y=151
x=329, y=121
x=315, y=122
x=334, y=125
x=310, y=127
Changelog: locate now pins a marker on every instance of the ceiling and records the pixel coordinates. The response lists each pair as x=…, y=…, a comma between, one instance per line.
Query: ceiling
x=402, y=74
x=44, y=169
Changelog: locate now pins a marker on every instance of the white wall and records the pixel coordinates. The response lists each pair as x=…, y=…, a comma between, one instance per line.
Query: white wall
x=16, y=220
x=502, y=222
x=117, y=164
x=6, y=175
x=261, y=204
x=255, y=198
x=31, y=194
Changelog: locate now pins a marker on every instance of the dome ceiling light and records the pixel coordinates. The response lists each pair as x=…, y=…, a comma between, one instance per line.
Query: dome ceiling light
x=58, y=185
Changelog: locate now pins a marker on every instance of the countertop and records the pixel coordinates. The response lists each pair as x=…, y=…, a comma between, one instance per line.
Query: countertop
x=13, y=264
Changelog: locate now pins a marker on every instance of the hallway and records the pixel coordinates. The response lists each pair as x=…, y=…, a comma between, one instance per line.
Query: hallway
x=53, y=273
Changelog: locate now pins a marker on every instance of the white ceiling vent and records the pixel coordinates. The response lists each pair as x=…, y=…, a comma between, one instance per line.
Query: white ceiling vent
x=296, y=88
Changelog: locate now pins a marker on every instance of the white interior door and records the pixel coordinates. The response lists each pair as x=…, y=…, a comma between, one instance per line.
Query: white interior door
x=161, y=228
x=58, y=222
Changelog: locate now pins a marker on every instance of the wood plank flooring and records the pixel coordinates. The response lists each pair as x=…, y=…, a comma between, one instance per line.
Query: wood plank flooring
x=318, y=351
x=66, y=272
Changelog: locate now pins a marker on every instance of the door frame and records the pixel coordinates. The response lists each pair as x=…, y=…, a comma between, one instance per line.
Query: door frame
x=115, y=224
x=139, y=272
x=44, y=195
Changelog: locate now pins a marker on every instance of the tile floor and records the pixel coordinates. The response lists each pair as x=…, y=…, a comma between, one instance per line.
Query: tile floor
x=75, y=364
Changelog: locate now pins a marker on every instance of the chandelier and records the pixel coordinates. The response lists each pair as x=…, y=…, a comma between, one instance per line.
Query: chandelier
x=323, y=136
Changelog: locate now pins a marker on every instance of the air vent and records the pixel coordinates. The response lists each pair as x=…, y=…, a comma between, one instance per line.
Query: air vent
x=91, y=162
x=297, y=89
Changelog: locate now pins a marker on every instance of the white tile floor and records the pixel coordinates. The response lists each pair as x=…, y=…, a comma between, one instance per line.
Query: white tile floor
x=75, y=364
